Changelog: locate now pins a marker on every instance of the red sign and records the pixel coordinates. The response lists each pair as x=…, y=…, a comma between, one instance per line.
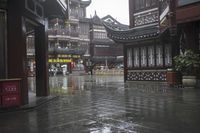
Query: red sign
x=10, y=93
x=10, y=87
x=10, y=100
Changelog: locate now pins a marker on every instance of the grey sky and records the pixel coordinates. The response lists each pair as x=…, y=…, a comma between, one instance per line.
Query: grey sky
x=118, y=9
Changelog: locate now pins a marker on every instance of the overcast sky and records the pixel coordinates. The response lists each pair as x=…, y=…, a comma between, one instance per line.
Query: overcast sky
x=118, y=9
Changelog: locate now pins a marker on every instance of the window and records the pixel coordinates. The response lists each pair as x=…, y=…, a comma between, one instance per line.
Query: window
x=129, y=58
x=168, y=55
x=159, y=55
x=143, y=57
x=151, y=59
x=81, y=12
x=137, y=3
x=153, y=2
x=136, y=57
x=96, y=35
x=148, y=3
x=142, y=4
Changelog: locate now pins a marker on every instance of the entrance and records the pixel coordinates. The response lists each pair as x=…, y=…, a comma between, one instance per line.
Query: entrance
x=22, y=20
x=31, y=62
x=35, y=60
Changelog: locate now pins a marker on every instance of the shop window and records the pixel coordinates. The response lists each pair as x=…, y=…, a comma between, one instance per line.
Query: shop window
x=143, y=57
x=151, y=59
x=159, y=55
x=136, y=57
x=129, y=58
x=168, y=55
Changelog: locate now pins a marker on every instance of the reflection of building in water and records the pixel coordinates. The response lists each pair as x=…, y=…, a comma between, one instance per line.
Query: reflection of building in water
x=65, y=83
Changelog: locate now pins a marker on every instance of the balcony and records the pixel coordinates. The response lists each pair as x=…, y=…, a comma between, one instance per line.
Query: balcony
x=73, y=16
x=77, y=51
x=30, y=51
x=63, y=32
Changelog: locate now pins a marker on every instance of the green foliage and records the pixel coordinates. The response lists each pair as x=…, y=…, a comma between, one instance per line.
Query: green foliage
x=187, y=63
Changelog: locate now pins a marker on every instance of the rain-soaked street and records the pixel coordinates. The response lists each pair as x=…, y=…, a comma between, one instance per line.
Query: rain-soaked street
x=105, y=104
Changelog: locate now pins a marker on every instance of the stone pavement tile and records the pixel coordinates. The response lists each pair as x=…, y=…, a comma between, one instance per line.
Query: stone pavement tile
x=108, y=107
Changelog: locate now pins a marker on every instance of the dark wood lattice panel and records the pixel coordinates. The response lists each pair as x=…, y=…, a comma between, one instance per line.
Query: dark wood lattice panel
x=146, y=76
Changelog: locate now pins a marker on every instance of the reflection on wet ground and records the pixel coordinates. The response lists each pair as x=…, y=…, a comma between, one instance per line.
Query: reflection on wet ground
x=71, y=84
x=104, y=104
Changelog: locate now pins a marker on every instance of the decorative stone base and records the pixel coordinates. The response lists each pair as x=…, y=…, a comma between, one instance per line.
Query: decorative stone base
x=146, y=75
x=189, y=81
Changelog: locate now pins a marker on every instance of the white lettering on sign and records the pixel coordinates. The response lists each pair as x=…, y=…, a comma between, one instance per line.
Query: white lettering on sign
x=10, y=88
x=11, y=99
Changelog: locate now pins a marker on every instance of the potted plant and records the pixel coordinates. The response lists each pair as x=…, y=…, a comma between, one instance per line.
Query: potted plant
x=187, y=63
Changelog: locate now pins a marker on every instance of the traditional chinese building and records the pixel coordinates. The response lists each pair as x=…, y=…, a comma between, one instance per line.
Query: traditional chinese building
x=61, y=11
x=147, y=53
x=104, y=52
x=69, y=38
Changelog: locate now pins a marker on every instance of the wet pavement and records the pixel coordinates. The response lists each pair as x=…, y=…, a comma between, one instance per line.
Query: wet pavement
x=104, y=104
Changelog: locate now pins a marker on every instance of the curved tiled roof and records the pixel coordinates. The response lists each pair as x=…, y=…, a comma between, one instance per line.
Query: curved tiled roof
x=119, y=35
x=82, y=3
x=109, y=20
x=86, y=3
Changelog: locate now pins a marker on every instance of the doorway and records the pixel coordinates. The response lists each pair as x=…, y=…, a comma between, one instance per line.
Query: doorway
x=36, y=56
x=31, y=62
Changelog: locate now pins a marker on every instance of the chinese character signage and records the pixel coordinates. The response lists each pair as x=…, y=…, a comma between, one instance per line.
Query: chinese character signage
x=10, y=93
x=60, y=60
x=10, y=87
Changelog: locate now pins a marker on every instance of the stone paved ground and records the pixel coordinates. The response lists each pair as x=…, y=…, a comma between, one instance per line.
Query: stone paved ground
x=106, y=105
